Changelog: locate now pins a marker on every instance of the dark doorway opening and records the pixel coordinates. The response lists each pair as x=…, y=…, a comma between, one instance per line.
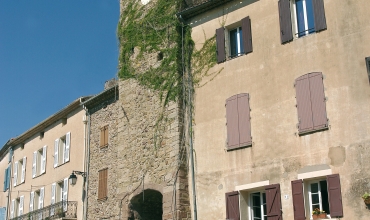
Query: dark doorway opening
x=146, y=206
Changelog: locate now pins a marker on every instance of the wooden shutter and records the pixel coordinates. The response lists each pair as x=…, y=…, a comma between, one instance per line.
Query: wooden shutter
x=21, y=202
x=32, y=197
x=238, y=121
x=103, y=180
x=247, y=35
x=285, y=19
x=273, y=202
x=102, y=132
x=67, y=147
x=56, y=148
x=53, y=193
x=43, y=159
x=6, y=179
x=298, y=200
x=318, y=104
x=220, y=42
x=34, y=164
x=245, y=137
x=319, y=15
x=41, y=198
x=12, y=209
x=65, y=194
x=232, y=206
x=302, y=87
x=367, y=61
x=106, y=136
x=15, y=175
x=335, y=195
x=23, y=176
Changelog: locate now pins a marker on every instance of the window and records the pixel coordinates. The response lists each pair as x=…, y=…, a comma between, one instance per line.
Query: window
x=59, y=193
x=7, y=178
x=308, y=17
x=239, y=40
x=104, y=136
x=39, y=162
x=19, y=173
x=238, y=121
x=255, y=201
x=322, y=193
x=37, y=199
x=17, y=207
x=311, y=104
x=103, y=180
x=61, y=149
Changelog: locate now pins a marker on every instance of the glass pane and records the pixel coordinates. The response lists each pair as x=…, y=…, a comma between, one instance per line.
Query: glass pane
x=324, y=196
x=300, y=17
x=256, y=199
x=264, y=198
x=315, y=206
x=257, y=212
x=233, y=43
x=310, y=16
x=315, y=198
x=241, y=41
x=314, y=187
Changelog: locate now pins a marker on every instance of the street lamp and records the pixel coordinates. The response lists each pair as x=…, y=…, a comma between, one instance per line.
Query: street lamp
x=73, y=177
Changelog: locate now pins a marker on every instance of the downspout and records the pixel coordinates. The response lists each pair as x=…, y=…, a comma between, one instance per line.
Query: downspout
x=87, y=159
x=190, y=130
x=10, y=184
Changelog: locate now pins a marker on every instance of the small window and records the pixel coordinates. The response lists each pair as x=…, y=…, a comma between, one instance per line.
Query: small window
x=61, y=149
x=236, y=42
x=104, y=136
x=19, y=172
x=300, y=18
x=258, y=206
x=39, y=162
x=318, y=196
x=16, y=208
x=103, y=180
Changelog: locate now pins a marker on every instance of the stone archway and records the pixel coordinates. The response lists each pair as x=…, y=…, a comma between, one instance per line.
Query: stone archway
x=147, y=205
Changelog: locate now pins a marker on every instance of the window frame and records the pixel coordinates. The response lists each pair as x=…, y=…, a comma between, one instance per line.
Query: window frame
x=62, y=148
x=308, y=194
x=295, y=18
x=262, y=206
x=239, y=42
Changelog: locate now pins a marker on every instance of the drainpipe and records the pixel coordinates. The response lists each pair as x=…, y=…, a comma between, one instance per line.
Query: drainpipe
x=86, y=158
x=10, y=184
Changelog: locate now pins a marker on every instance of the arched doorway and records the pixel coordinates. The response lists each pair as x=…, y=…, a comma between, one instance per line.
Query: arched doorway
x=146, y=206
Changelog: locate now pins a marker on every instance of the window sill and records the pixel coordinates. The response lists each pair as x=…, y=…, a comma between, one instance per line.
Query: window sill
x=303, y=133
x=237, y=148
x=103, y=199
x=20, y=184
x=103, y=147
x=61, y=164
x=39, y=175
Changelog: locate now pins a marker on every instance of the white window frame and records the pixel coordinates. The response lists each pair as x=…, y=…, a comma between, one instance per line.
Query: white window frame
x=307, y=193
x=238, y=41
x=250, y=204
x=293, y=5
x=39, y=162
x=19, y=171
x=62, y=150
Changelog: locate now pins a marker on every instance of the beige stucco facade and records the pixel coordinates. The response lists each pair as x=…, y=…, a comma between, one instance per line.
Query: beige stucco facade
x=278, y=154
x=69, y=120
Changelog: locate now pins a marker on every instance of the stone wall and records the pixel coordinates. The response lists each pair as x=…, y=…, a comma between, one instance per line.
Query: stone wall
x=144, y=152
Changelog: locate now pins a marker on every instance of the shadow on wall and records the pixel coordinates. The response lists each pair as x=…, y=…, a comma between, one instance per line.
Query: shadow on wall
x=146, y=206
x=219, y=12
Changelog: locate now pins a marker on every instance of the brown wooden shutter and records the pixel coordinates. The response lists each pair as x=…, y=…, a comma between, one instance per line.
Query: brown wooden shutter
x=102, y=136
x=232, y=206
x=273, y=202
x=220, y=40
x=298, y=200
x=286, y=34
x=106, y=136
x=232, y=122
x=102, y=188
x=319, y=15
x=247, y=35
x=318, y=104
x=245, y=137
x=302, y=87
x=335, y=195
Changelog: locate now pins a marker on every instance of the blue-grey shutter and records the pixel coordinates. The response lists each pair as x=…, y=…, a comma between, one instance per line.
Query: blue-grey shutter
x=319, y=15
x=285, y=20
x=5, y=178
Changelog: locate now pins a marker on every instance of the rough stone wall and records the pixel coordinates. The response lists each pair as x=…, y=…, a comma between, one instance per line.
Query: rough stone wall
x=143, y=152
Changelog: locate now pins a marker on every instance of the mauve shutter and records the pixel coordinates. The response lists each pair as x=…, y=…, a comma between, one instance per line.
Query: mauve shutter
x=245, y=138
x=232, y=121
x=232, y=206
x=298, y=200
x=273, y=202
x=220, y=40
x=286, y=34
x=318, y=104
x=335, y=195
x=247, y=35
x=319, y=15
x=302, y=87
x=367, y=61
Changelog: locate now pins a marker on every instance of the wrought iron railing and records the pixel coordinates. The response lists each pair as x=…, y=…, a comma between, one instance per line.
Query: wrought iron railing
x=62, y=209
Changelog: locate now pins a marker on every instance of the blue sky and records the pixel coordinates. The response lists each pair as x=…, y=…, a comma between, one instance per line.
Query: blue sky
x=51, y=53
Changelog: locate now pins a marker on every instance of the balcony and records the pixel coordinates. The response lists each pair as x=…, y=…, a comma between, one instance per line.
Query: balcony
x=60, y=210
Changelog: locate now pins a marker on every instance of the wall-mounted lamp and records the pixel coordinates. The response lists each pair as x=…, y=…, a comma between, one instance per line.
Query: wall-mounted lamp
x=73, y=177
